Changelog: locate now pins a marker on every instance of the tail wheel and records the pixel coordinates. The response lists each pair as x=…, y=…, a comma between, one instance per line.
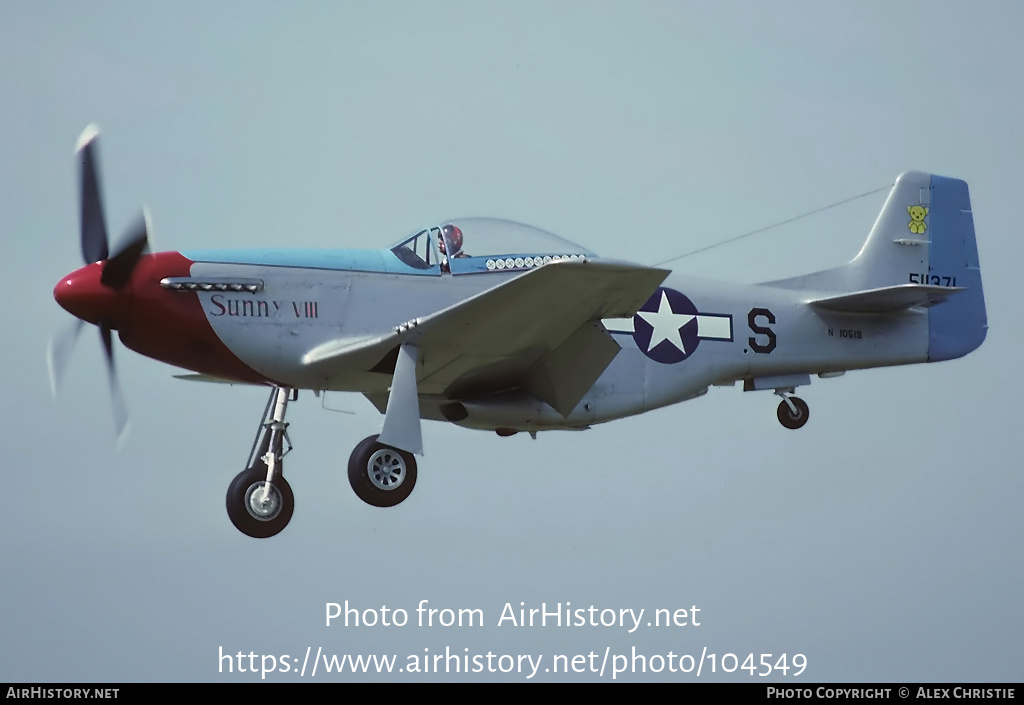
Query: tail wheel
x=795, y=417
x=380, y=475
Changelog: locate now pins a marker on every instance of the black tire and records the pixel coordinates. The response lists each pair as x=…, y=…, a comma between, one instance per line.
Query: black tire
x=247, y=520
x=380, y=475
x=793, y=420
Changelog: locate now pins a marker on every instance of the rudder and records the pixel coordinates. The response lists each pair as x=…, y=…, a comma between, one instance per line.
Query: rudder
x=959, y=325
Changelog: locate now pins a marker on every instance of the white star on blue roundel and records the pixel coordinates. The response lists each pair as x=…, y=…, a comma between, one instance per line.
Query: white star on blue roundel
x=665, y=328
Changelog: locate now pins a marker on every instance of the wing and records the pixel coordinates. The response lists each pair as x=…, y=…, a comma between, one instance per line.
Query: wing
x=540, y=331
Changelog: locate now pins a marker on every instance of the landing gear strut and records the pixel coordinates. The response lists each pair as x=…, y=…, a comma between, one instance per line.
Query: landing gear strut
x=793, y=411
x=381, y=475
x=259, y=500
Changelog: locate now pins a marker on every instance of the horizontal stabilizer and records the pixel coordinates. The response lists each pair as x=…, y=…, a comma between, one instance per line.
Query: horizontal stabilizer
x=887, y=299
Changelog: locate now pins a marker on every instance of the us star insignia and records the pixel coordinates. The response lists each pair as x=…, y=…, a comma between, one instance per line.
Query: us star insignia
x=668, y=328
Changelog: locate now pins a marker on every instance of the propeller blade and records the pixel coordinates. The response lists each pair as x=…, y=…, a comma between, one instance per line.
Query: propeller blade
x=119, y=267
x=93, y=225
x=120, y=411
x=58, y=352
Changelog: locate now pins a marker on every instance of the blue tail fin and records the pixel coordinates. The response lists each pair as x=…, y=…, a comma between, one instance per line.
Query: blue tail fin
x=924, y=238
x=959, y=325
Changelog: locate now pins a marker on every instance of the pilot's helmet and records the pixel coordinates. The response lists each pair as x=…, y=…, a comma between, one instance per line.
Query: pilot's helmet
x=453, y=235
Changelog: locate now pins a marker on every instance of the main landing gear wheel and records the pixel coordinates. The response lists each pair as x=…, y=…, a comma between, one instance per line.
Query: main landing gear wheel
x=256, y=508
x=380, y=475
x=796, y=417
x=253, y=514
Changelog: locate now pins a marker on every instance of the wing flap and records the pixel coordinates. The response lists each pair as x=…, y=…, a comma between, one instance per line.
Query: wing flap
x=564, y=375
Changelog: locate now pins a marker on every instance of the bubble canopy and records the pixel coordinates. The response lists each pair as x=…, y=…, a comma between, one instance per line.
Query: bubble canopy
x=484, y=245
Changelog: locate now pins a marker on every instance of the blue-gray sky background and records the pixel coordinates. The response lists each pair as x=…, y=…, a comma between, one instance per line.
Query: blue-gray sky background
x=882, y=540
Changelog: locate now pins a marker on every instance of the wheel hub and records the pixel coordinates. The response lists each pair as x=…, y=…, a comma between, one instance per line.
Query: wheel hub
x=386, y=469
x=263, y=510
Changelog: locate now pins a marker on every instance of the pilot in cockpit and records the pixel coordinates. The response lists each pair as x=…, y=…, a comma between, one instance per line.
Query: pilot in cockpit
x=452, y=235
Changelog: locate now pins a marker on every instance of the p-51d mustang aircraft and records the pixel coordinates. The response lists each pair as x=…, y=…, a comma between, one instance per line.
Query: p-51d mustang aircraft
x=455, y=323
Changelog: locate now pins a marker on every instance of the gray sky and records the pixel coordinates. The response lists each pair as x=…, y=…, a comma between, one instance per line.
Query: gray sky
x=882, y=541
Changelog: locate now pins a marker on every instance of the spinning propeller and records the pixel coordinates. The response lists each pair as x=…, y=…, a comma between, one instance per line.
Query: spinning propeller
x=97, y=293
